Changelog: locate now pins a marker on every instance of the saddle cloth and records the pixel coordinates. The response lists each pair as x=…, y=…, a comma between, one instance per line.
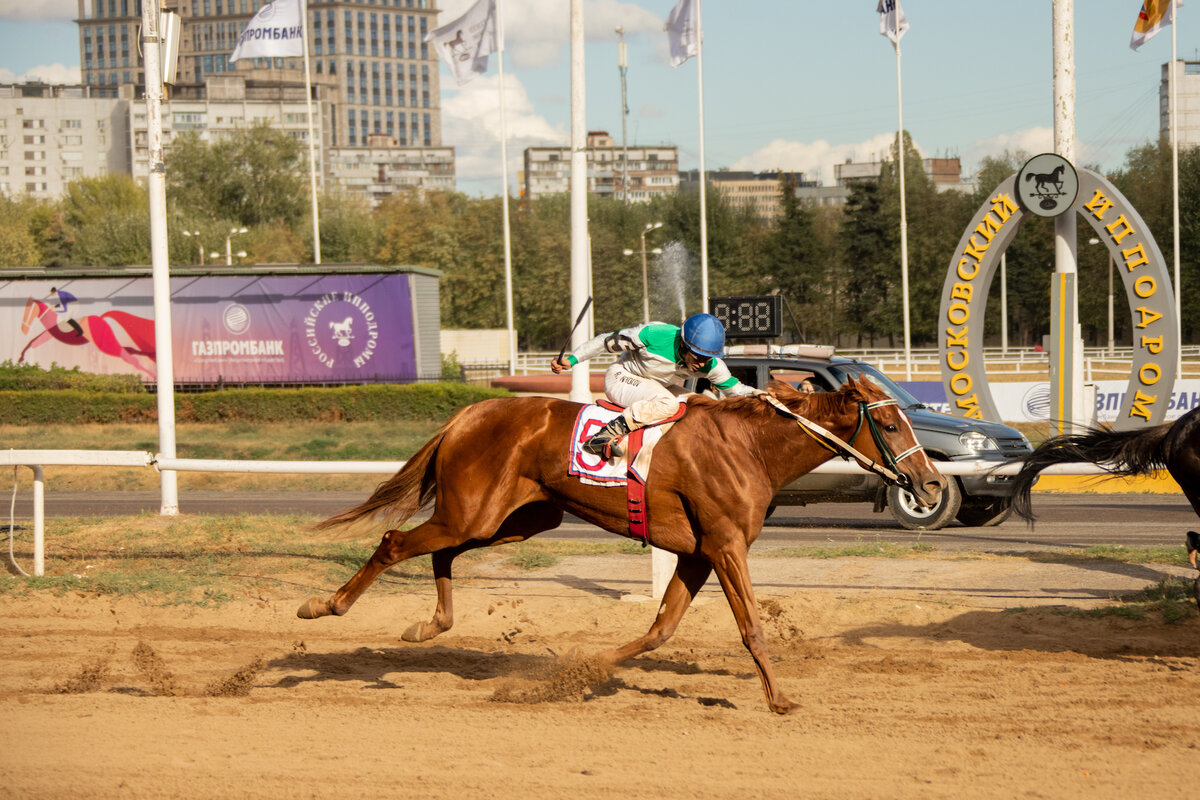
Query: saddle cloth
x=629, y=470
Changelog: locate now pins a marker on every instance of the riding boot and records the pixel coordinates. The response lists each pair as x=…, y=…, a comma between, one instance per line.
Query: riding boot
x=77, y=328
x=603, y=441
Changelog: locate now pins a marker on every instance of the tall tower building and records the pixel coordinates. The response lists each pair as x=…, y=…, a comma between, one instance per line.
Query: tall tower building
x=372, y=51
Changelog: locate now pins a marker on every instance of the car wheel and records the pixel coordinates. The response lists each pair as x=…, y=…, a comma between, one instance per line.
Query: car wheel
x=985, y=513
x=915, y=518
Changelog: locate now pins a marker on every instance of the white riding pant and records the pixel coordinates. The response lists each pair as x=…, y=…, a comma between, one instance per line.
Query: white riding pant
x=646, y=401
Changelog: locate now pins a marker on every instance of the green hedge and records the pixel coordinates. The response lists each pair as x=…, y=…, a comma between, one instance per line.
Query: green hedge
x=418, y=401
x=28, y=377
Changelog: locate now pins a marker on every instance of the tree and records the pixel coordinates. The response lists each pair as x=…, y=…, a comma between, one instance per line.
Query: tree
x=254, y=176
x=797, y=274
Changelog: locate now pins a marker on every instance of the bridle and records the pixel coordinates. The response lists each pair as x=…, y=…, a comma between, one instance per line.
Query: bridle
x=888, y=470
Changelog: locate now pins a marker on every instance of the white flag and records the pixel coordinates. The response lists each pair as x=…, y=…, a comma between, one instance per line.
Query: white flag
x=683, y=29
x=277, y=31
x=892, y=23
x=466, y=43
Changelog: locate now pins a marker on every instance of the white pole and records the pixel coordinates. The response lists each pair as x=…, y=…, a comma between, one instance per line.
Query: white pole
x=703, y=173
x=623, y=68
x=1065, y=224
x=508, y=276
x=580, y=378
x=312, y=145
x=903, y=222
x=1004, y=303
x=159, y=261
x=1172, y=116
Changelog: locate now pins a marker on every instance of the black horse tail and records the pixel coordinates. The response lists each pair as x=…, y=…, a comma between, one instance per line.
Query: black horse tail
x=402, y=495
x=1134, y=452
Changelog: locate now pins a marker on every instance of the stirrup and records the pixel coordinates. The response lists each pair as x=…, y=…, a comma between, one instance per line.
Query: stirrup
x=603, y=442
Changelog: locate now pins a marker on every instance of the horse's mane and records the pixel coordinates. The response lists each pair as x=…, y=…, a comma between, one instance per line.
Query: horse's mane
x=815, y=404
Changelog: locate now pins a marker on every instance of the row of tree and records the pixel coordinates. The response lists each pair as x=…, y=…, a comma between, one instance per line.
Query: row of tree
x=838, y=267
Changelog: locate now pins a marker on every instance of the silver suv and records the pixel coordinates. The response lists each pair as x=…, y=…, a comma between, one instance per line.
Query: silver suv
x=974, y=500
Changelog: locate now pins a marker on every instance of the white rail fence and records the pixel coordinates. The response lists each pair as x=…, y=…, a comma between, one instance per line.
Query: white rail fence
x=36, y=459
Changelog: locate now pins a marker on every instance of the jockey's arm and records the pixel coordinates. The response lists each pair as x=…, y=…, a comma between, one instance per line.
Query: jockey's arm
x=615, y=342
x=719, y=376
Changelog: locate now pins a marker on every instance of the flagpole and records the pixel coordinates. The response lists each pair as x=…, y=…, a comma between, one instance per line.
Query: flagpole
x=903, y=221
x=508, y=278
x=703, y=173
x=1172, y=115
x=312, y=145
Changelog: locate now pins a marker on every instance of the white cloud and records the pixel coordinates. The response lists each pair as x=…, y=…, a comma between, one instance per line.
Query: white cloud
x=1031, y=141
x=536, y=32
x=471, y=122
x=38, y=10
x=47, y=73
x=814, y=159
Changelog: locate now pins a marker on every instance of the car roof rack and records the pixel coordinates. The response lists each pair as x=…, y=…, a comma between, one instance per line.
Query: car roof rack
x=799, y=350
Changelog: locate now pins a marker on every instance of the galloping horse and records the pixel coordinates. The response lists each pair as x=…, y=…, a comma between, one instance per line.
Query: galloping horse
x=497, y=473
x=97, y=331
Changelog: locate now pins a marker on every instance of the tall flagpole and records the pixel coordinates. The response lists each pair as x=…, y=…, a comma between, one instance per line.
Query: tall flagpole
x=1172, y=115
x=580, y=377
x=903, y=221
x=312, y=145
x=508, y=278
x=703, y=173
x=159, y=257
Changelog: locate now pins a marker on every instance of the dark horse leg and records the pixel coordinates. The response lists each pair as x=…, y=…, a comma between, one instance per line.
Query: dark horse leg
x=436, y=537
x=734, y=574
x=685, y=584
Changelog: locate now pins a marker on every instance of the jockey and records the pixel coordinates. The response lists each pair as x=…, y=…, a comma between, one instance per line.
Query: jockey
x=647, y=377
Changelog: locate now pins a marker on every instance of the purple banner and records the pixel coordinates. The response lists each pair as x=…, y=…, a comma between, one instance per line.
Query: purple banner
x=236, y=329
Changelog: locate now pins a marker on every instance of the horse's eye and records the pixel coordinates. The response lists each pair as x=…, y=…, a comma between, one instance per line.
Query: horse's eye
x=892, y=428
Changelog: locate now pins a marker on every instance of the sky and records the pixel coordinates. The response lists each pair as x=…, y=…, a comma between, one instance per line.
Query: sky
x=797, y=85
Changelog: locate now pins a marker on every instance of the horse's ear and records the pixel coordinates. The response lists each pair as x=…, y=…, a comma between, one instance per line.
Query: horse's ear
x=852, y=387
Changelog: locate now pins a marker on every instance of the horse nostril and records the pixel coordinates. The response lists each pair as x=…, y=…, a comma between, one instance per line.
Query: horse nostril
x=935, y=487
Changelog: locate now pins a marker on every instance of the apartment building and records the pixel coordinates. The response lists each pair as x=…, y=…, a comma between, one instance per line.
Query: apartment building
x=635, y=173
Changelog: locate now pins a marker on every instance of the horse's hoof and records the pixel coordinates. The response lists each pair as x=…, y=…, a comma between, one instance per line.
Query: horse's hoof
x=419, y=632
x=313, y=608
x=784, y=706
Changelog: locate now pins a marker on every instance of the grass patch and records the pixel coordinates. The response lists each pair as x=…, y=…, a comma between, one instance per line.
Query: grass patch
x=1173, y=555
x=1170, y=600
x=539, y=554
x=862, y=548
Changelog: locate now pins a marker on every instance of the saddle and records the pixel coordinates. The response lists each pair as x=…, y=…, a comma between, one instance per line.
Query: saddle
x=629, y=470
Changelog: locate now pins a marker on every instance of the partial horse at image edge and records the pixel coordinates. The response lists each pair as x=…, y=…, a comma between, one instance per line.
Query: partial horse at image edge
x=497, y=473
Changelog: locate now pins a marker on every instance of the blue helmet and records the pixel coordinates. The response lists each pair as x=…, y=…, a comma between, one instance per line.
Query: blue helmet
x=704, y=334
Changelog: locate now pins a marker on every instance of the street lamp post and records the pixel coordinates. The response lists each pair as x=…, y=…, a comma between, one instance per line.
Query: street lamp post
x=229, y=247
x=199, y=244
x=1111, y=341
x=645, y=281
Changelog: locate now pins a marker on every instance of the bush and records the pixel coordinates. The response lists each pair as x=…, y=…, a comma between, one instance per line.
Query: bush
x=25, y=377
x=419, y=401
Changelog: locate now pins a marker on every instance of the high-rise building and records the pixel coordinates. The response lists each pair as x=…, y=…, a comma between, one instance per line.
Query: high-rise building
x=373, y=51
x=51, y=135
x=1187, y=99
x=634, y=173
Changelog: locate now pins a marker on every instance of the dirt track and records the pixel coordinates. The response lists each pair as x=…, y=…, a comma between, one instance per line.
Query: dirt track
x=908, y=691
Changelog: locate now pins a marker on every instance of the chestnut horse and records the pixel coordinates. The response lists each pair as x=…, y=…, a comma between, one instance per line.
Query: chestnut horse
x=98, y=331
x=497, y=473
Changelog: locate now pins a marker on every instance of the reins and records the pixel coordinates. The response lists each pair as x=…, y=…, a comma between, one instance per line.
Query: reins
x=889, y=470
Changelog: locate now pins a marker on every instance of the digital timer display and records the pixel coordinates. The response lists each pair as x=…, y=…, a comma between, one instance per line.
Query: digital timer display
x=746, y=317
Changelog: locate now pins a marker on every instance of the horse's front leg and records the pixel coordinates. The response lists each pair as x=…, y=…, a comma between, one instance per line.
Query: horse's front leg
x=734, y=574
x=689, y=577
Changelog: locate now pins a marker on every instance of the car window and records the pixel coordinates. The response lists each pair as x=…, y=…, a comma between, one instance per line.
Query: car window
x=803, y=380
x=893, y=389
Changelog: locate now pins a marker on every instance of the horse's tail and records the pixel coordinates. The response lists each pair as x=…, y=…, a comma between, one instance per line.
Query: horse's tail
x=1127, y=453
x=402, y=495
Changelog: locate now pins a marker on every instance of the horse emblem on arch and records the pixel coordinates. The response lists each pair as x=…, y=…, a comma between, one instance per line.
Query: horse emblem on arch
x=115, y=333
x=1042, y=180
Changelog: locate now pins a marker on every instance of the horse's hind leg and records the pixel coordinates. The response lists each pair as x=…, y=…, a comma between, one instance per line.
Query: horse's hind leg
x=396, y=546
x=526, y=521
x=685, y=584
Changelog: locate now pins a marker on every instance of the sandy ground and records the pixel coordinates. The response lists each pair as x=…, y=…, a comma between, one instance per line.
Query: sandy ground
x=920, y=678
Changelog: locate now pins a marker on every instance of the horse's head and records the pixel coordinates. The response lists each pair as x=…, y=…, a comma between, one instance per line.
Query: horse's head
x=889, y=439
